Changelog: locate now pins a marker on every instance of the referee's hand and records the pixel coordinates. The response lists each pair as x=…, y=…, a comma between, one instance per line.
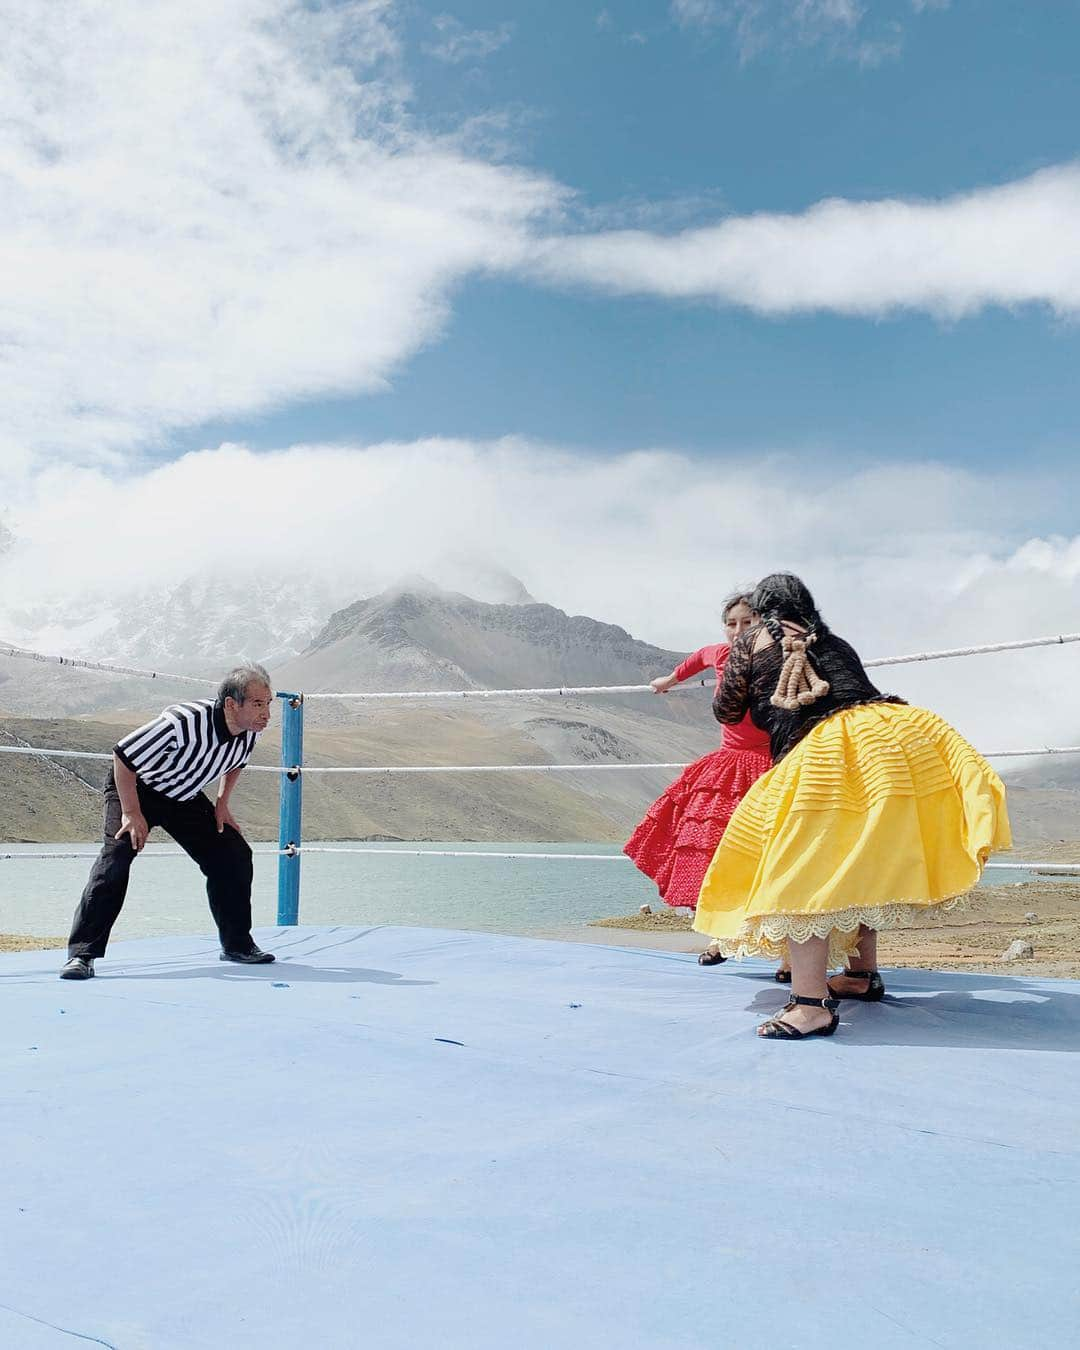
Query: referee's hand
x=135, y=827
x=224, y=817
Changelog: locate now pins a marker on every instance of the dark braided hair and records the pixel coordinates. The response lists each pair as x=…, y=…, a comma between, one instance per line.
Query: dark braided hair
x=782, y=595
x=779, y=596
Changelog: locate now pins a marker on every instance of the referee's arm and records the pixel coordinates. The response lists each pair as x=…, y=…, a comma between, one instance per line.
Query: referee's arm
x=132, y=822
x=221, y=807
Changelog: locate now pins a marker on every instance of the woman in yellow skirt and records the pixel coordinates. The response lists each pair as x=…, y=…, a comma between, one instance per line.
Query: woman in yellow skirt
x=874, y=812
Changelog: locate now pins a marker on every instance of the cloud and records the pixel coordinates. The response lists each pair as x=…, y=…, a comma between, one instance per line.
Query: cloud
x=457, y=44
x=217, y=208
x=229, y=206
x=999, y=246
x=844, y=28
x=902, y=557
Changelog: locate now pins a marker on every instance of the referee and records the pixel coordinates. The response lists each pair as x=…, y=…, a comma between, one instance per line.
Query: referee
x=157, y=777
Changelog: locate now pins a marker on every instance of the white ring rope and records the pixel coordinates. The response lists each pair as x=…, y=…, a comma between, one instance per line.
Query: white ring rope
x=1042, y=750
x=552, y=691
x=464, y=768
x=156, y=853
x=25, y=654
x=1037, y=866
x=307, y=769
x=295, y=851
x=465, y=853
x=52, y=754
x=600, y=857
x=948, y=653
x=566, y=691
x=576, y=768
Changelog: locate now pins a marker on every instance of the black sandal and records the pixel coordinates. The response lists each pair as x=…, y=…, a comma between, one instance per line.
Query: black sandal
x=775, y=1030
x=875, y=990
x=710, y=958
x=782, y=976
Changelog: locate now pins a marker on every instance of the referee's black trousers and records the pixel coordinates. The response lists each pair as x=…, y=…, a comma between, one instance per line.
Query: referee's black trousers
x=224, y=859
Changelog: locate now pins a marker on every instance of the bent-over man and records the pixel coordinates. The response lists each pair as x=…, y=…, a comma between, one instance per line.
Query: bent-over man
x=157, y=777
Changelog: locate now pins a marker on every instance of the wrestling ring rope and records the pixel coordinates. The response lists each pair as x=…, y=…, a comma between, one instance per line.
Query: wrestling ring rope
x=292, y=769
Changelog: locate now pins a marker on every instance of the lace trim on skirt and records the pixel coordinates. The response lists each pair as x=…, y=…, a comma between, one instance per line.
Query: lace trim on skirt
x=768, y=934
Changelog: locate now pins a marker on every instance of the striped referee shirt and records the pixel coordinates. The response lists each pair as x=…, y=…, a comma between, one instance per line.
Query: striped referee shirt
x=185, y=747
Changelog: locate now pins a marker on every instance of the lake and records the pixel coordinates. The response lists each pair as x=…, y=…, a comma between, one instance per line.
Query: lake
x=166, y=895
x=504, y=895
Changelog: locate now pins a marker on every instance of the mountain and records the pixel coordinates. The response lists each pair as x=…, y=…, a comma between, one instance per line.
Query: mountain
x=198, y=627
x=412, y=636
x=419, y=638
x=192, y=627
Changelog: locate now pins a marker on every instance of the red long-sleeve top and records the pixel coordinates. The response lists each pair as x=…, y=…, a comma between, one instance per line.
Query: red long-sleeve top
x=736, y=735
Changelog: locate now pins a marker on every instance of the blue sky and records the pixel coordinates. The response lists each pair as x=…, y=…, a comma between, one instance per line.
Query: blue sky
x=647, y=120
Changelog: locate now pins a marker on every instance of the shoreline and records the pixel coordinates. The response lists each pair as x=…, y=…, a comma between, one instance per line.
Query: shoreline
x=1045, y=914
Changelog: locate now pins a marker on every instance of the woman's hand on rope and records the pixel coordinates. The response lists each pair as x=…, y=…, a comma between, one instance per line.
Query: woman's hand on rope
x=134, y=825
x=662, y=683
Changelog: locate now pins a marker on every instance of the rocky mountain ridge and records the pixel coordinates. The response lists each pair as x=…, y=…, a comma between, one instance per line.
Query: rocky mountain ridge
x=434, y=639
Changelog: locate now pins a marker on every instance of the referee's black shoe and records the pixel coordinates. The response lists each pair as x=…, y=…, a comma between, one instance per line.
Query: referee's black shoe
x=78, y=968
x=252, y=957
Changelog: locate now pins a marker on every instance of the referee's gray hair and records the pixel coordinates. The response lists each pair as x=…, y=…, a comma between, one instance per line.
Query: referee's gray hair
x=235, y=685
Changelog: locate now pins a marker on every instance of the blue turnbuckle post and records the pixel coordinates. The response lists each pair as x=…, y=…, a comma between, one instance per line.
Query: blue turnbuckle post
x=292, y=800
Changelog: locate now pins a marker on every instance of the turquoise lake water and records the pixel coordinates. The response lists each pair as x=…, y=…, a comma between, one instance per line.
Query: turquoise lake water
x=391, y=886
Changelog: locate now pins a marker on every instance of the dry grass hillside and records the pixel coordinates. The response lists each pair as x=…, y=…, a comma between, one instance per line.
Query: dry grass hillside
x=58, y=800
x=55, y=801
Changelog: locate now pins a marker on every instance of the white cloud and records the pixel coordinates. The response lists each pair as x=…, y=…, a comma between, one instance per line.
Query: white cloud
x=1009, y=245
x=844, y=28
x=902, y=557
x=219, y=207
x=456, y=43
x=700, y=12
x=215, y=209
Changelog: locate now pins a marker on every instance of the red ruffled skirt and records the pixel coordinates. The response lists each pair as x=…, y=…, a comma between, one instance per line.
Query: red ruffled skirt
x=675, y=843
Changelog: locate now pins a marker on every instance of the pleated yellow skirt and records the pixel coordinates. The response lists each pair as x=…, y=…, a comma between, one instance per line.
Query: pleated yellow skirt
x=882, y=813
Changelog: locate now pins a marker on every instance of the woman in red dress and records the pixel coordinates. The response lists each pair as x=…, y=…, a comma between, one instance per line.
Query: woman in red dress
x=676, y=841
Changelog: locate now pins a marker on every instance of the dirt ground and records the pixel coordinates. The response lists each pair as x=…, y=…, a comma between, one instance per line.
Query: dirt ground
x=14, y=942
x=971, y=938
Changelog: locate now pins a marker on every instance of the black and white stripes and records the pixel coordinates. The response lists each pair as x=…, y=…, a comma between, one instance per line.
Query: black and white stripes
x=185, y=747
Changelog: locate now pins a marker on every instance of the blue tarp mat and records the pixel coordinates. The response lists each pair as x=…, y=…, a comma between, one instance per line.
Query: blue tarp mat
x=403, y=1137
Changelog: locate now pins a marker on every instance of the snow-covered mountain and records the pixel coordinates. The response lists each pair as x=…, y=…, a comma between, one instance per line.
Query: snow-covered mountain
x=194, y=626
x=197, y=627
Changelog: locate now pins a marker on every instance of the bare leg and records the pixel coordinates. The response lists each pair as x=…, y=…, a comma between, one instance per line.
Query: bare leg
x=864, y=958
x=808, y=979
